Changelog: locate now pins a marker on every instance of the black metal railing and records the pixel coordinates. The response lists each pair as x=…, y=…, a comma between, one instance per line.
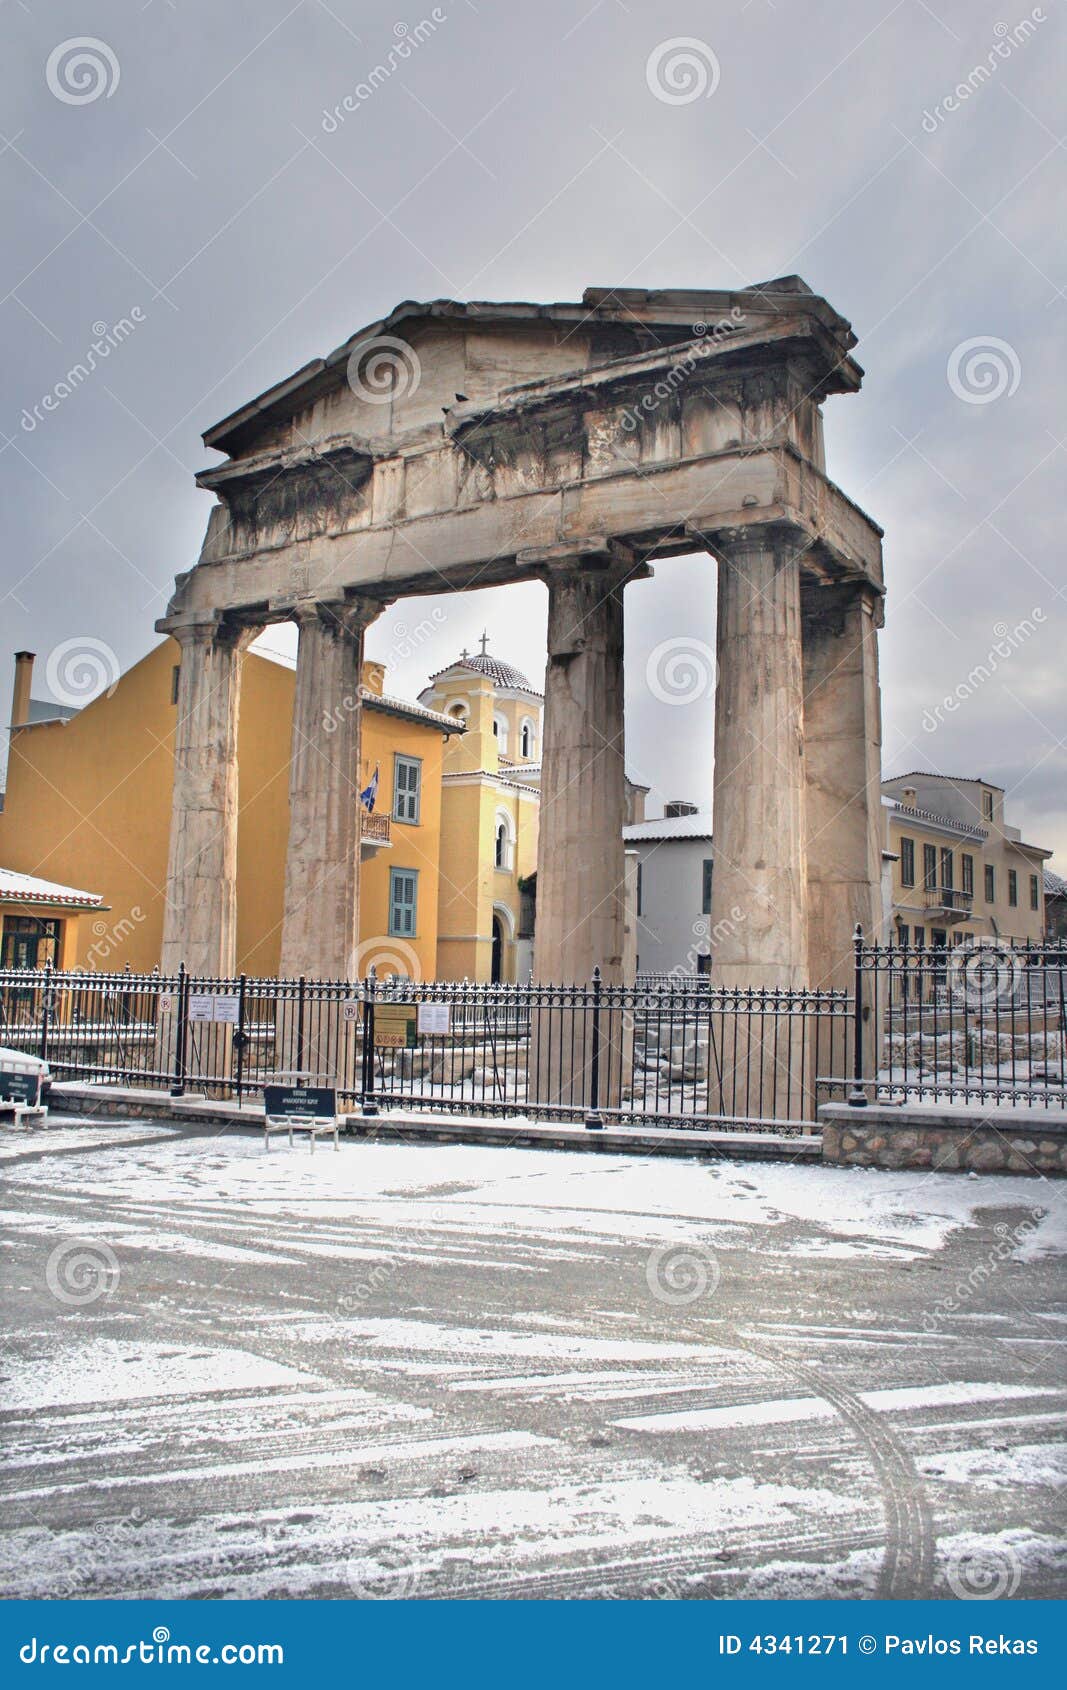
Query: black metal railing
x=976, y=1022
x=968, y=1023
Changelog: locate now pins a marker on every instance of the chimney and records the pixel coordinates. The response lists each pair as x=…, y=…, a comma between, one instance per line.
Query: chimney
x=679, y=807
x=20, y=699
x=908, y=797
x=373, y=676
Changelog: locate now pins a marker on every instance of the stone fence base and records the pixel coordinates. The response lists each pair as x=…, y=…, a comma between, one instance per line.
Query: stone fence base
x=923, y=1135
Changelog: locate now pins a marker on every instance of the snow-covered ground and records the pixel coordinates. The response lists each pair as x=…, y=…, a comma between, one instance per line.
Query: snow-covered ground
x=414, y=1369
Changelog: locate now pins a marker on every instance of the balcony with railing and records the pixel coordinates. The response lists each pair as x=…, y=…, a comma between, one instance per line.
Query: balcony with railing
x=375, y=831
x=948, y=903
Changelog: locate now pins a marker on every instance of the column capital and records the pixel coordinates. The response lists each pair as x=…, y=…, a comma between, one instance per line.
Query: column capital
x=210, y=628
x=348, y=614
x=734, y=542
x=596, y=553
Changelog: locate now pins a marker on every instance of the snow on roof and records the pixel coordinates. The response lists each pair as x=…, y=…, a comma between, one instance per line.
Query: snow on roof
x=1055, y=885
x=18, y=888
x=671, y=827
x=931, y=774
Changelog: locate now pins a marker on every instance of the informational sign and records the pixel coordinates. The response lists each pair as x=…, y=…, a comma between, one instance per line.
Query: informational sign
x=395, y=1026
x=214, y=1006
x=288, y=1101
x=435, y=1018
x=19, y=1087
x=351, y=1009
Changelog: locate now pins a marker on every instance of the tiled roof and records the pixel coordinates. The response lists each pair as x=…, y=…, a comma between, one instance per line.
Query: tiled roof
x=501, y=674
x=1055, y=885
x=18, y=888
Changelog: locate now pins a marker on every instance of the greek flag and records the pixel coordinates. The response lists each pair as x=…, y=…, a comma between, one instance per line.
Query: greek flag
x=369, y=795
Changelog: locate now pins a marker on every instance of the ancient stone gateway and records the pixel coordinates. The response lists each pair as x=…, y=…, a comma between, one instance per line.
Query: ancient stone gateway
x=459, y=445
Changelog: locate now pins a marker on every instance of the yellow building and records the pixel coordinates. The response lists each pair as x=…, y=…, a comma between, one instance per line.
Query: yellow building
x=490, y=799
x=42, y=922
x=960, y=872
x=88, y=801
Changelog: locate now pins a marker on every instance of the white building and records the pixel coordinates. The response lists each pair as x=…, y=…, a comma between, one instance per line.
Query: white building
x=674, y=874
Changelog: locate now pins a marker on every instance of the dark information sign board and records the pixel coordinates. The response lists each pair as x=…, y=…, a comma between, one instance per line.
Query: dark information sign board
x=286, y=1101
x=19, y=1087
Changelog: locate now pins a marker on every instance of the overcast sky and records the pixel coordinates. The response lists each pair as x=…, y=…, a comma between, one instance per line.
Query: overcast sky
x=178, y=173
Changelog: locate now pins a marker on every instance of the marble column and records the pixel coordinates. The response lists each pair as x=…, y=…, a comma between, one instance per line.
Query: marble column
x=581, y=861
x=320, y=922
x=200, y=921
x=759, y=886
x=842, y=756
x=581, y=865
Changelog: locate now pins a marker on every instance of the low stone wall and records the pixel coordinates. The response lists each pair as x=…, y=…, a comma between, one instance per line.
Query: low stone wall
x=918, y=1135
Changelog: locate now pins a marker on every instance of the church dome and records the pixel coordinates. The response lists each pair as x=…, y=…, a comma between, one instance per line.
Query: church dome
x=501, y=674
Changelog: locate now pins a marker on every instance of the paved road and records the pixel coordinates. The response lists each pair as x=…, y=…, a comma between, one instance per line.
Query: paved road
x=456, y=1371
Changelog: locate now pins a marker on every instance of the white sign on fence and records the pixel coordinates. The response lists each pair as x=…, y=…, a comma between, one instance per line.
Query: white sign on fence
x=213, y=1006
x=350, y=1008
x=435, y=1018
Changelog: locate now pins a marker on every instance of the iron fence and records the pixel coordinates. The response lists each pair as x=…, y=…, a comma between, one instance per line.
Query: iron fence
x=971, y=1024
x=980, y=1022
x=679, y=1052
